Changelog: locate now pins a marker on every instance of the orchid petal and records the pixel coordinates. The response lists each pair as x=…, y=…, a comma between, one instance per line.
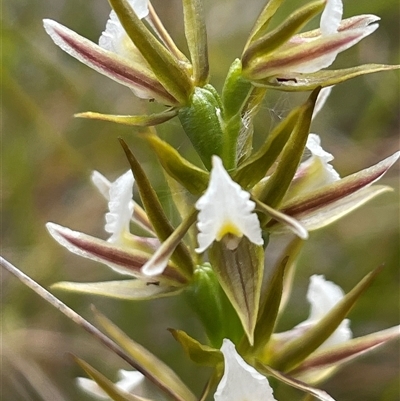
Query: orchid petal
x=120, y=208
x=115, y=39
x=133, y=75
x=331, y=17
x=225, y=209
x=325, y=50
x=121, y=289
x=323, y=295
x=123, y=260
x=338, y=191
x=129, y=381
x=241, y=382
x=321, y=100
x=139, y=216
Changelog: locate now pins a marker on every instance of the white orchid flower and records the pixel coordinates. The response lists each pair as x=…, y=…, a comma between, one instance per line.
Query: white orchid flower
x=309, y=52
x=241, y=382
x=322, y=296
x=225, y=212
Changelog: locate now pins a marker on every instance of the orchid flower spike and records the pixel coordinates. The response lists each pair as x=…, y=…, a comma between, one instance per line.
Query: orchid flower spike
x=241, y=382
x=225, y=212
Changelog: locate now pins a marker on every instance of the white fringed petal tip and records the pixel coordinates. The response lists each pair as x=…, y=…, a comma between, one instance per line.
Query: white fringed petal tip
x=225, y=210
x=241, y=382
x=120, y=207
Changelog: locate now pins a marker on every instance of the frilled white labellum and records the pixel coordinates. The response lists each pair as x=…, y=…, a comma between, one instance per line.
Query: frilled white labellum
x=130, y=381
x=241, y=382
x=225, y=210
x=331, y=17
x=320, y=155
x=114, y=38
x=323, y=295
x=120, y=207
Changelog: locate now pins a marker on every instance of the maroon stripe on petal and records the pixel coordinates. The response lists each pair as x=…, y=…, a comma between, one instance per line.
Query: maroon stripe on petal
x=339, y=189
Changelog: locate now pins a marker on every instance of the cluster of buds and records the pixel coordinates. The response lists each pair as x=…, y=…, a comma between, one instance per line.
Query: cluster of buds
x=245, y=213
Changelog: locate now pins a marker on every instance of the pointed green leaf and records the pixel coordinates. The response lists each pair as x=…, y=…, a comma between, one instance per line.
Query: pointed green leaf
x=121, y=289
x=343, y=353
x=106, y=385
x=196, y=36
x=138, y=121
x=194, y=179
x=202, y=123
x=290, y=381
x=278, y=183
x=295, y=351
x=197, y=352
x=306, y=82
x=235, y=94
x=164, y=65
x=257, y=165
x=268, y=312
x=152, y=367
x=240, y=273
x=159, y=260
x=156, y=214
x=263, y=20
x=266, y=44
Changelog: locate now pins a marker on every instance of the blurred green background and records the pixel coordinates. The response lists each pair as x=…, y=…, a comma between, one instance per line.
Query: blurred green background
x=47, y=157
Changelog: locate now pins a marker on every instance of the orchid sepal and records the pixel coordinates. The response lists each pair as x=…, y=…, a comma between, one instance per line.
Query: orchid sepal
x=123, y=260
x=308, y=57
x=293, y=382
x=295, y=82
x=291, y=353
x=324, y=205
x=155, y=212
x=268, y=43
x=136, y=121
x=323, y=363
x=191, y=177
x=274, y=189
x=142, y=81
x=199, y=353
x=136, y=290
x=240, y=273
x=167, y=69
